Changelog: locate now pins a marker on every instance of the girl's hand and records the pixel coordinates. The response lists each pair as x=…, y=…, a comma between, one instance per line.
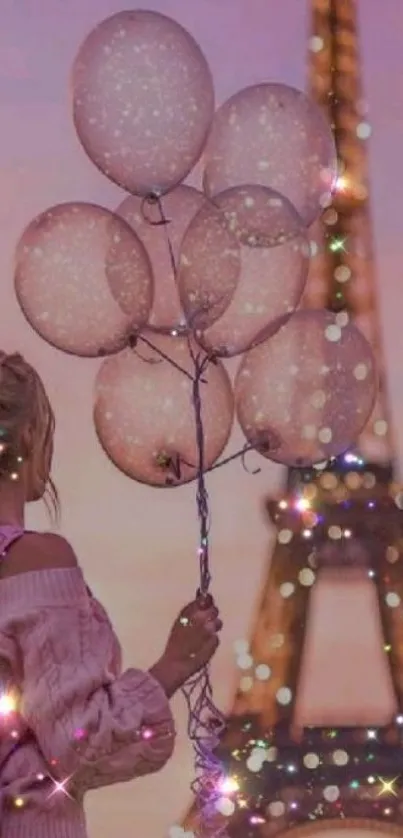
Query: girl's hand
x=191, y=644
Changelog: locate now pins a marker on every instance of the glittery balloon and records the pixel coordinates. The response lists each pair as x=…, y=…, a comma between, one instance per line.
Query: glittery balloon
x=143, y=100
x=68, y=262
x=273, y=135
x=178, y=207
x=144, y=415
x=243, y=267
x=305, y=395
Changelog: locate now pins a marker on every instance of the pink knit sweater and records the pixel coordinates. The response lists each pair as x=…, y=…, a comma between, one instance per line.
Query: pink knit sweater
x=80, y=722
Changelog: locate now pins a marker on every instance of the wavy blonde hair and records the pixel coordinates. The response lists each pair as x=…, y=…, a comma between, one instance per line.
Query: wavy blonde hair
x=27, y=427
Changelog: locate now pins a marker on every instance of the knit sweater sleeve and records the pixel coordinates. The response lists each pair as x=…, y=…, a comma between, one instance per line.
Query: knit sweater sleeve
x=91, y=726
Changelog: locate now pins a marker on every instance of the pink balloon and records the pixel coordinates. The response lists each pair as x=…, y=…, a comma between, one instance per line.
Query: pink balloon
x=273, y=135
x=243, y=267
x=144, y=414
x=143, y=100
x=178, y=207
x=305, y=395
x=68, y=262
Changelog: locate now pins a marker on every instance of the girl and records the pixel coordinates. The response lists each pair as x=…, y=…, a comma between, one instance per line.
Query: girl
x=70, y=720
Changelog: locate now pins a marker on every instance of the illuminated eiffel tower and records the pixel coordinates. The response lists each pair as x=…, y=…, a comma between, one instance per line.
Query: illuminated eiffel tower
x=281, y=776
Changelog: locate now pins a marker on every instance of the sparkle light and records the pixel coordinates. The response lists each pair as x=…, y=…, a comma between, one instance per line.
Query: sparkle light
x=338, y=245
x=61, y=787
x=8, y=704
x=228, y=785
x=387, y=786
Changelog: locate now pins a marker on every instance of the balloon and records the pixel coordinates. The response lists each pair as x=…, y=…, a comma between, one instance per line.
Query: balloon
x=305, y=395
x=273, y=135
x=243, y=267
x=178, y=207
x=68, y=262
x=144, y=415
x=143, y=100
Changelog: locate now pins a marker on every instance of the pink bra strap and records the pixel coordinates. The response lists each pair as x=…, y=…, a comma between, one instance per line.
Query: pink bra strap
x=9, y=534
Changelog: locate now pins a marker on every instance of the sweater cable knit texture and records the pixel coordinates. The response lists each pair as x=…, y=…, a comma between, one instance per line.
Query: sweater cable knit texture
x=80, y=723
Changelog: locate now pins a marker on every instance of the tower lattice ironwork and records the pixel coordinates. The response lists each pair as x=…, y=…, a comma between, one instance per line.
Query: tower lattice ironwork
x=281, y=777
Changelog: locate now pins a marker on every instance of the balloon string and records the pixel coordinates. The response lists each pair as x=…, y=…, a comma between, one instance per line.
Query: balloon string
x=205, y=720
x=237, y=455
x=162, y=354
x=202, y=499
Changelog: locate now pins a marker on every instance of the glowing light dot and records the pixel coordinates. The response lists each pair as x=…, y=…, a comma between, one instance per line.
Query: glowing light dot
x=311, y=761
x=380, y=427
x=287, y=589
x=263, y=672
x=392, y=600
x=399, y=500
x=340, y=757
x=229, y=785
x=306, y=577
x=342, y=319
x=276, y=809
x=363, y=131
x=276, y=641
x=329, y=481
x=18, y=802
x=342, y=274
x=331, y=793
x=259, y=753
x=284, y=696
x=245, y=661
x=302, y=504
x=283, y=504
x=225, y=806
x=246, y=684
x=392, y=555
x=360, y=372
x=7, y=704
x=313, y=248
x=334, y=533
x=333, y=333
x=254, y=763
x=325, y=435
x=308, y=432
x=318, y=399
x=241, y=647
x=285, y=536
x=316, y=43
x=369, y=480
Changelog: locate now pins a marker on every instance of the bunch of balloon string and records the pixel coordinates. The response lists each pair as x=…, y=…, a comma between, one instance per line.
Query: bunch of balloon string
x=177, y=279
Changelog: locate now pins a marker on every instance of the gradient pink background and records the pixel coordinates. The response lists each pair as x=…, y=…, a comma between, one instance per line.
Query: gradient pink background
x=143, y=572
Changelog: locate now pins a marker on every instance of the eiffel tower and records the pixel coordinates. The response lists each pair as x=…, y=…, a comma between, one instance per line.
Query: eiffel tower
x=348, y=516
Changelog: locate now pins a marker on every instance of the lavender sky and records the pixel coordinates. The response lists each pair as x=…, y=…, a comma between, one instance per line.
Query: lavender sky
x=144, y=575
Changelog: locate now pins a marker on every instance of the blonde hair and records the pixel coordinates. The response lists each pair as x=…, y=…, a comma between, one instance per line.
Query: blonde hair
x=27, y=426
